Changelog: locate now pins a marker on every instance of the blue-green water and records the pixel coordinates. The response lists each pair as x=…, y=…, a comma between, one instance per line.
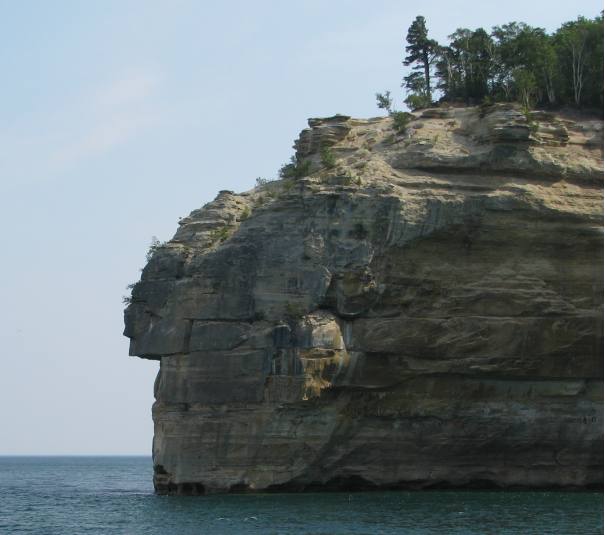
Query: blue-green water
x=114, y=495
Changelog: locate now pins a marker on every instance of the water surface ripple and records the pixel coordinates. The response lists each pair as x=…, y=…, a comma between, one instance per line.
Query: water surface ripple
x=114, y=495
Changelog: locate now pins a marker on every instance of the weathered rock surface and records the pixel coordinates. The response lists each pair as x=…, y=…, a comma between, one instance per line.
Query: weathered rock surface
x=428, y=312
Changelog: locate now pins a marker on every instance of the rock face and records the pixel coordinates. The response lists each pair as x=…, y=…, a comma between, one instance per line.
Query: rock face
x=425, y=312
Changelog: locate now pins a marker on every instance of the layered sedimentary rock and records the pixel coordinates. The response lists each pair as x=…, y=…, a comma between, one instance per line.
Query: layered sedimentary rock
x=426, y=311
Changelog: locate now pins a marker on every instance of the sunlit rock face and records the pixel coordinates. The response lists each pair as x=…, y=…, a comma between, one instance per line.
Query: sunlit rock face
x=425, y=312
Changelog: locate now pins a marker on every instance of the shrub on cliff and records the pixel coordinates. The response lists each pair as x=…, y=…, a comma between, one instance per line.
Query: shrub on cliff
x=219, y=235
x=327, y=158
x=127, y=299
x=295, y=169
x=401, y=119
x=155, y=246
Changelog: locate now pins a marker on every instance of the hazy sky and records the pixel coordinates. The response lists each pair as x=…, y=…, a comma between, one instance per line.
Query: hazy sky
x=119, y=117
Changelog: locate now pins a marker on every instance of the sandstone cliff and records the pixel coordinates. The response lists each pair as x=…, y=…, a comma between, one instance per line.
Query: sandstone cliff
x=425, y=312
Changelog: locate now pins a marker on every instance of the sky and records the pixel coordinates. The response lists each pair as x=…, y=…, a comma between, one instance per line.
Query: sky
x=119, y=117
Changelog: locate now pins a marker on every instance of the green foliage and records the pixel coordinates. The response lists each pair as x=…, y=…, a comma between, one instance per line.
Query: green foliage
x=533, y=125
x=579, y=47
x=421, y=53
x=287, y=185
x=260, y=181
x=417, y=102
x=463, y=67
x=219, y=235
x=525, y=86
x=514, y=61
x=295, y=169
x=128, y=299
x=303, y=168
x=487, y=101
x=327, y=157
x=155, y=246
x=245, y=214
x=401, y=119
x=384, y=101
x=521, y=49
x=347, y=178
x=417, y=97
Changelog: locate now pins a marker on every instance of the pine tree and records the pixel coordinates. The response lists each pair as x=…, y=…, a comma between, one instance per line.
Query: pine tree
x=421, y=53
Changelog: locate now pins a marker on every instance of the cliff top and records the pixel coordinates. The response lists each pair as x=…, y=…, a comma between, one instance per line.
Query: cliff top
x=548, y=158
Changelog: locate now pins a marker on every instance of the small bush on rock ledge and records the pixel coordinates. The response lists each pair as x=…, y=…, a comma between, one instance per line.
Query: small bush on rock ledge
x=327, y=158
x=219, y=235
x=295, y=169
x=128, y=299
x=155, y=246
x=401, y=119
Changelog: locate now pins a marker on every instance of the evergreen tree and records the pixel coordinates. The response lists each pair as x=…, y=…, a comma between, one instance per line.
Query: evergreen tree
x=421, y=53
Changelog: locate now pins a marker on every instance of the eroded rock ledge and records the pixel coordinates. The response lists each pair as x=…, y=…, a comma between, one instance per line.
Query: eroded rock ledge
x=425, y=313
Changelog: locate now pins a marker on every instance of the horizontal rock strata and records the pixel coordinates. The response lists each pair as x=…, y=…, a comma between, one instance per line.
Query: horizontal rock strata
x=424, y=312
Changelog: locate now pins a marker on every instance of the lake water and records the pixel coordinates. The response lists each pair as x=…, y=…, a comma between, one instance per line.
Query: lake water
x=114, y=495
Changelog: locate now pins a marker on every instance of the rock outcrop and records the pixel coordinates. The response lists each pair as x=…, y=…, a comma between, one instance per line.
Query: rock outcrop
x=424, y=311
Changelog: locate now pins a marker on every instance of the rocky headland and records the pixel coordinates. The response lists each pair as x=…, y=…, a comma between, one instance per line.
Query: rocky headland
x=423, y=308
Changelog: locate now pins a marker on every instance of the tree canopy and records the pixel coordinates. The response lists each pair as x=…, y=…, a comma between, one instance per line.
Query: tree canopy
x=513, y=62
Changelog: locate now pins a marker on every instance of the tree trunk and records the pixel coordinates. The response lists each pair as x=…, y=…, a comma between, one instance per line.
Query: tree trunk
x=450, y=77
x=427, y=74
x=577, y=66
x=550, y=87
